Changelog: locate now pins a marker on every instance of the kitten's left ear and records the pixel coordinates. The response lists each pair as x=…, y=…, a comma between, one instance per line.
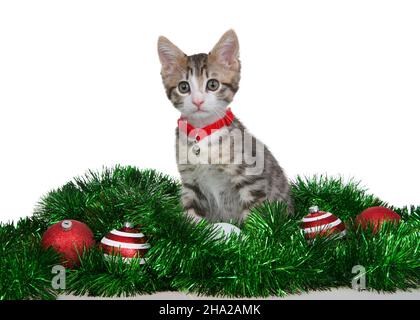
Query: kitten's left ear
x=226, y=51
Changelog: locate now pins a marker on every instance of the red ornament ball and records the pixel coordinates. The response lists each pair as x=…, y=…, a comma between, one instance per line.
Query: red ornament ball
x=319, y=223
x=69, y=238
x=375, y=216
x=128, y=241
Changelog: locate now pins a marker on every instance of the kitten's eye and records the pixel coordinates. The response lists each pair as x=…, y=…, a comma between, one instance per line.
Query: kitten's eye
x=184, y=87
x=213, y=85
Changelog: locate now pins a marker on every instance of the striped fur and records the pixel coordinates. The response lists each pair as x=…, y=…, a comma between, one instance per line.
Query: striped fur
x=226, y=189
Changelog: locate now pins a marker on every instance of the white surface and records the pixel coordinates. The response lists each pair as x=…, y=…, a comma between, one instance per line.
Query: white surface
x=333, y=294
x=330, y=86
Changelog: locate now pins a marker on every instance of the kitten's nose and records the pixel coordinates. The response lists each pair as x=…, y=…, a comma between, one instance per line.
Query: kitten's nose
x=198, y=102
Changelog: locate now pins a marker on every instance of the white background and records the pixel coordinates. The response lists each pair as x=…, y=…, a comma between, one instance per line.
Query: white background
x=330, y=86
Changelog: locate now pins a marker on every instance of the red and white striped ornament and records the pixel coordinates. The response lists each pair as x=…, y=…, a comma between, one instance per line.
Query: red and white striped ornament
x=320, y=223
x=127, y=241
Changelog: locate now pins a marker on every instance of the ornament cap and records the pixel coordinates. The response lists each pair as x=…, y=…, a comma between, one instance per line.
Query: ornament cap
x=66, y=225
x=313, y=209
x=128, y=225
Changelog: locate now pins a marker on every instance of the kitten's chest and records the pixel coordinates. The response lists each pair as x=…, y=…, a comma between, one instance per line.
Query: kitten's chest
x=219, y=192
x=211, y=180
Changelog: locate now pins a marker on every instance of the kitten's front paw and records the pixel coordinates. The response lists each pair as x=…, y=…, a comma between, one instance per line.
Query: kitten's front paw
x=244, y=215
x=195, y=217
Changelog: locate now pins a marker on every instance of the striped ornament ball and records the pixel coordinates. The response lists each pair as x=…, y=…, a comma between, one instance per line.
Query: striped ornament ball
x=128, y=241
x=319, y=223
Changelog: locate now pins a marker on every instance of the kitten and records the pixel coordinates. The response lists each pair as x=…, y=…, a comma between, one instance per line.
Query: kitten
x=224, y=170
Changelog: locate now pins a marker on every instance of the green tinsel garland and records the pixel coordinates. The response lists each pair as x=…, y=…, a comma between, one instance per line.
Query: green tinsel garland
x=271, y=257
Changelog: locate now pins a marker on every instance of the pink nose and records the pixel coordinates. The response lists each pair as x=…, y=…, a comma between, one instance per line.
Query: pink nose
x=198, y=103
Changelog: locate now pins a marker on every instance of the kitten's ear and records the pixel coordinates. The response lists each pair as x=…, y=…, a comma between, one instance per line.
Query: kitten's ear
x=226, y=51
x=169, y=54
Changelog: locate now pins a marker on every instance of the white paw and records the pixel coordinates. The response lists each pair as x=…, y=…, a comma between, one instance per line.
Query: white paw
x=224, y=230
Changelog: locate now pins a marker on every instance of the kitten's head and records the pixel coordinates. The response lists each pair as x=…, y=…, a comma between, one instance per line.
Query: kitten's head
x=201, y=86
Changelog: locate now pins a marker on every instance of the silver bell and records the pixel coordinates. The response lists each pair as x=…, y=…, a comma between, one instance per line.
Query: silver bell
x=196, y=149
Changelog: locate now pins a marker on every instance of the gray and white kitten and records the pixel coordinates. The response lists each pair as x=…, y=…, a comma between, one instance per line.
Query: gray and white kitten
x=201, y=87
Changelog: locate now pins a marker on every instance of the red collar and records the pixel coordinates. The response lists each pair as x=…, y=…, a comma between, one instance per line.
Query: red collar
x=200, y=133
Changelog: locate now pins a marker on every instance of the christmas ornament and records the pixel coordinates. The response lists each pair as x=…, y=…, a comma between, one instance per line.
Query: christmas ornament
x=375, y=216
x=320, y=223
x=224, y=230
x=69, y=238
x=127, y=241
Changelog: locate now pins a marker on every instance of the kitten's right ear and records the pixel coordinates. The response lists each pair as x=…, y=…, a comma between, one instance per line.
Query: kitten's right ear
x=170, y=55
